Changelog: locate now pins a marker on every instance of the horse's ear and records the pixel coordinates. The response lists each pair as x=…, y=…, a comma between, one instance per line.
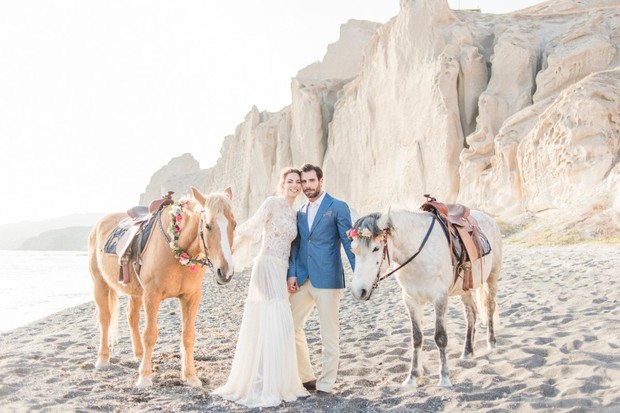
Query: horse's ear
x=385, y=219
x=198, y=196
x=228, y=192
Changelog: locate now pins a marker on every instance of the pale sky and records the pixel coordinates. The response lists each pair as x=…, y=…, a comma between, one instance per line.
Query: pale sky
x=84, y=83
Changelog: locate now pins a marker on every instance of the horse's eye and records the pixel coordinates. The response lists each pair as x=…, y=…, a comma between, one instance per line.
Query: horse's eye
x=375, y=249
x=208, y=227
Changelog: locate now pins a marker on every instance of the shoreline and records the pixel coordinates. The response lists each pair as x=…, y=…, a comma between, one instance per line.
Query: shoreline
x=557, y=349
x=37, y=284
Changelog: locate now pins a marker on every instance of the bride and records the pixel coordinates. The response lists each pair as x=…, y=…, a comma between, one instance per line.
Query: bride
x=264, y=368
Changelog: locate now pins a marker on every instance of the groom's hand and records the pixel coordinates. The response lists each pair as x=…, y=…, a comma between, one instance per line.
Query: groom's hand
x=292, y=285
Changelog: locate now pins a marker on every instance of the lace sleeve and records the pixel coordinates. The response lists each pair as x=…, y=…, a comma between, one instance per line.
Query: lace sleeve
x=251, y=230
x=248, y=235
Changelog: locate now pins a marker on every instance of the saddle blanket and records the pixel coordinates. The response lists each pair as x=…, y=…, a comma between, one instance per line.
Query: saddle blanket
x=111, y=243
x=457, y=247
x=485, y=246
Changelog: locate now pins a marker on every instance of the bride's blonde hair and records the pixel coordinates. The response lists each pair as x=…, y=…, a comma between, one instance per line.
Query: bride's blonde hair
x=283, y=173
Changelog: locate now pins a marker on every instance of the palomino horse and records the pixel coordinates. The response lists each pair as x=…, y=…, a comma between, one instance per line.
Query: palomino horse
x=428, y=277
x=196, y=230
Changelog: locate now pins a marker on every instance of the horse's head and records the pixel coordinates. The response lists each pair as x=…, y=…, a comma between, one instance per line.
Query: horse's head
x=369, y=237
x=217, y=225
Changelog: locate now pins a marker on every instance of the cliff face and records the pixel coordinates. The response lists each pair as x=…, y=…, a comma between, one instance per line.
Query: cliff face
x=517, y=115
x=178, y=176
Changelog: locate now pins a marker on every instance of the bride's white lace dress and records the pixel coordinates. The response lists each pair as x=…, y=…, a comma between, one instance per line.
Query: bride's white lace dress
x=264, y=368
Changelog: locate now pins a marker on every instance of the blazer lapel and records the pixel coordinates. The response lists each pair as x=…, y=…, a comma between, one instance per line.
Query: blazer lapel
x=302, y=218
x=327, y=202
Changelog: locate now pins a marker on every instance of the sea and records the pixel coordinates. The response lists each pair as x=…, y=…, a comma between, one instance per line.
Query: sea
x=35, y=284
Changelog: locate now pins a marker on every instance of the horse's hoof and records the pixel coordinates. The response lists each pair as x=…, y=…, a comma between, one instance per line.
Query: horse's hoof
x=444, y=382
x=411, y=383
x=143, y=382
x=102, y=363
x=193, y=381
x=466, y=356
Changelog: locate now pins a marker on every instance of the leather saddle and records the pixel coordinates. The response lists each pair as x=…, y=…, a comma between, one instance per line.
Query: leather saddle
x=136, y=230
x=463, y=235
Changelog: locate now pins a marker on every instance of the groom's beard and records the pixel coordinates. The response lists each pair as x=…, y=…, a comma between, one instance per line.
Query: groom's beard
x=310, y=193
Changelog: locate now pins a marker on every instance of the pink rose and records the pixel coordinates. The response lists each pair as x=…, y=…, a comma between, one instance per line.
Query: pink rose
x=178, y=218
x=184, y=258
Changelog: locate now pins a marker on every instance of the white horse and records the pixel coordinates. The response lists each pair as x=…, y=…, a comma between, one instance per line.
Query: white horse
x=428, y=277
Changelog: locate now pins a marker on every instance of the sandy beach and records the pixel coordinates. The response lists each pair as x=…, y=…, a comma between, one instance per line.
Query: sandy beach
x=558, y=349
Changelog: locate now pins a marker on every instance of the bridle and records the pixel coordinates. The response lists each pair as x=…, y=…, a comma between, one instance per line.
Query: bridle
x=206, y=261
x=386, y=254
x=202, y=262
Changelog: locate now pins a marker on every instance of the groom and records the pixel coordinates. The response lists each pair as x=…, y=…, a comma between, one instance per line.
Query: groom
x=316, y=276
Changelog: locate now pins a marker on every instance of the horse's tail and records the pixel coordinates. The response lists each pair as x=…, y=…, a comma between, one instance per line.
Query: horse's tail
x=114, y=316
x=486, y=301
x=101, y=289
x=113, y=306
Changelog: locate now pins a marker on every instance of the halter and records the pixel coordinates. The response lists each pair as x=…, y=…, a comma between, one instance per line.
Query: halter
x=386, y=254
x=206, y=261
x=202, y=262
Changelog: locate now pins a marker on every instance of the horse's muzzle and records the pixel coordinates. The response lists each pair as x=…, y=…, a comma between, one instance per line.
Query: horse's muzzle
x=364, y=294
x=221, y=279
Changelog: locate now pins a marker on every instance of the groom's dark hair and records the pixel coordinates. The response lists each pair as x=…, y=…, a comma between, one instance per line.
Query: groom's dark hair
x=307, y=167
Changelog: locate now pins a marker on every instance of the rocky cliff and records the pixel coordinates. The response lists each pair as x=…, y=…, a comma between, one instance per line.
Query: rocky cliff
x=517, y=115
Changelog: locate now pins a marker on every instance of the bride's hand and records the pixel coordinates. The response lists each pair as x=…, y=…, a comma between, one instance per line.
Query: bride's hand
x=292, y=285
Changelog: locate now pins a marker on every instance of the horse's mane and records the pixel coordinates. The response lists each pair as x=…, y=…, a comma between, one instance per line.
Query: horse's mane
x=368, y=222
x=217, y=203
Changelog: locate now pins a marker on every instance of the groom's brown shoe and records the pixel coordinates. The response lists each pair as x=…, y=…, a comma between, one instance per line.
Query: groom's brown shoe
x=310, y=385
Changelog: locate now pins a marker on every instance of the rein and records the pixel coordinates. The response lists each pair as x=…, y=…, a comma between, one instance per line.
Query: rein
x=387, y=254
x=202, y=263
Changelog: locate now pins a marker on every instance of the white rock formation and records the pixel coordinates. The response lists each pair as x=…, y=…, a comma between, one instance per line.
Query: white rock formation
x=178, y=176
x=343, y=58
x=517, y=114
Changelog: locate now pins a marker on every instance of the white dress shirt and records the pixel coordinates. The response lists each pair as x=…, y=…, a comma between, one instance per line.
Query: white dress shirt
x=312, y=208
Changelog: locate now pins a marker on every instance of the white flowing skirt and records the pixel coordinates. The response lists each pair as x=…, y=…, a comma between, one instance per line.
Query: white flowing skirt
x=264, y=369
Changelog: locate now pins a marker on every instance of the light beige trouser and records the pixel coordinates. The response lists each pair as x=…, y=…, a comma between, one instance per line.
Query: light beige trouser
x=327, y=302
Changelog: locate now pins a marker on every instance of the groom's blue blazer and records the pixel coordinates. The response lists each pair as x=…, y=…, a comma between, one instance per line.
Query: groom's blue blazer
x=315, y=253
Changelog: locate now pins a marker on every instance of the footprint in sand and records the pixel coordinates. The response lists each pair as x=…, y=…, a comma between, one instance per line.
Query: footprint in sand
x=398, y=369
x=398, y=351
x=570, y=347
x=466, y=364
x=547, y=390
x=533, y=362
x=537, y=351
x=543, y=340
x=21, y=372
